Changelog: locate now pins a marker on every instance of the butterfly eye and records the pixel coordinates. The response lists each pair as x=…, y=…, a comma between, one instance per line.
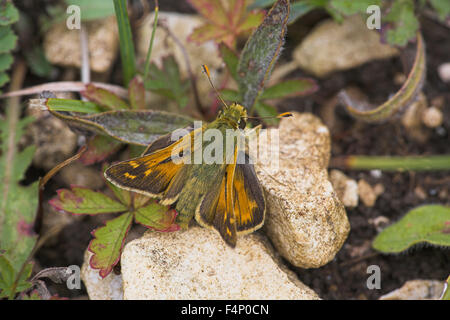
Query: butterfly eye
x=242, y=124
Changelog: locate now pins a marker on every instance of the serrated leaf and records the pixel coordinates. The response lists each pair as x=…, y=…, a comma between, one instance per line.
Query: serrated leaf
x=104, y=98
x=230, y=58
x=128, y=126
x=17, y=237
x=6, y=61
x=156, y=216
x=91, y=10
x=85, y=201
x=99, y=148
x=428, y=223
x=108, y=243
x=8, y=13
x=404, y=21
x=289, y=88
x=167, y=81
x=4, y=78
x=136, y=93
x=260, y=53
x=7, y=39
x=442, y=7
x=224, y=23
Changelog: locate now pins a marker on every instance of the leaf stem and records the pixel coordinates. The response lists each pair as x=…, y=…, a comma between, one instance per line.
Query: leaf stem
x=394, y=163
x=149, y=52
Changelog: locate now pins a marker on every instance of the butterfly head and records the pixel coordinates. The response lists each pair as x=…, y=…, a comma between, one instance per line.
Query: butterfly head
x=234, y=114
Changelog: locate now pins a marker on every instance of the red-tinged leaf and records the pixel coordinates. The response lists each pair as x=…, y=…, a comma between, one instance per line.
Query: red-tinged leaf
x=289, y=88
x=99, y=148
x=85, y=201
x=224, y=23
x=104, y=97
x=108, y=243
x=122, y=195
x=158, y=217
x=136, y=93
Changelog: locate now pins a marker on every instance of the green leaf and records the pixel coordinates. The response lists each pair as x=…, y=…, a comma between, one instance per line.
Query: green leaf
x=108, y=243
x=16, y=216
x=266, y=110
x=104, y=98
x=261, y=4
x=85, y=201
x=8, y=13
x=55, y=104
x=99, y=148
x=129, y=126
x=167, y=81
x=224, y=23
x=4, y=78
x=404, y=21
x=289, y=88
x=157, y=217
x=403, y=98
x=428, y=223
x=442, y=7
x=349, y=7
x=230, y=95
x=260, y=53
x=6, y=61
x=230, y=58
x=9, y=276
x=7, y=39
x=136, y=93
x=38, y=63
x=299, y=9
x=126, y=41
x=93, y=9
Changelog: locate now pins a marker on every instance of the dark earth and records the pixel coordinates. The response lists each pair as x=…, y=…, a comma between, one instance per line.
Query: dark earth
x=345, y=277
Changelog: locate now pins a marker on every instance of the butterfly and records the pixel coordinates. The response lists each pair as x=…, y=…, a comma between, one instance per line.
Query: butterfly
x=224, y=195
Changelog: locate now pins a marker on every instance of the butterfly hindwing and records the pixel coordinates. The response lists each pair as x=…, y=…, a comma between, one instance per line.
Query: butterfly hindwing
x=249, y=203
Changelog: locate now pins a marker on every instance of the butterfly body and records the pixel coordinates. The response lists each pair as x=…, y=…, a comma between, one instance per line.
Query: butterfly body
x=224, y=195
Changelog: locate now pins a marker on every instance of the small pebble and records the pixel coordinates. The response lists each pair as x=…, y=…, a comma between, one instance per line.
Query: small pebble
x=444, y=71
x=432, y=117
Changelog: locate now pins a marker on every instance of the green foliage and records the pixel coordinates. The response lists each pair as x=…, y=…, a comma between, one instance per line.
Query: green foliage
x=442, y=8
x=16, y=216
x=109, y=239
x=167, y=81
x=428, y=223
x=92, y=10
x=224, y=23
x=126, y=41
x=8, y=15
x=404, y=22
x=103, y=98
x=261, y=51
x=446, y=293
x=38, y=63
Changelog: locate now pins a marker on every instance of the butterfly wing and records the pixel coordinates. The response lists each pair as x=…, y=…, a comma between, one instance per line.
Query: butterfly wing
x=249, y=202
x=153, y=173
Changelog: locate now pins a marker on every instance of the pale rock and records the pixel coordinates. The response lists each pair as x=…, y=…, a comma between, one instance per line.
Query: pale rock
x=367, y=193
x=305, y=219
x=416, y=290
x=332, y=46
x=198, y=264
x=80, y=175
x=444, y=72
x=181, y=25
x=412, y=119
x=98, y=288
x=432, y=117
x=346, y=188
x=62, y=45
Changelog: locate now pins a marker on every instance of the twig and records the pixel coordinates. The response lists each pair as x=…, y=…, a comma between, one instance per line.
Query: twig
x=188, y=65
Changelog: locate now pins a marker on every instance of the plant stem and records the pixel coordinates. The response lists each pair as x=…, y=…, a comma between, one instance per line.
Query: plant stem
x=126, y=41
x=149, y=52
x=395, y=163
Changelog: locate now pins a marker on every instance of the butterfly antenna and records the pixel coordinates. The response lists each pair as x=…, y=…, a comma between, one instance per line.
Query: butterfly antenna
x=281, y=115
x=208, y=75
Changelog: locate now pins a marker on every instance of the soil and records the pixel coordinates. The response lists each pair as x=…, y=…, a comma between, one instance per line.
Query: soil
x=345, y=277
